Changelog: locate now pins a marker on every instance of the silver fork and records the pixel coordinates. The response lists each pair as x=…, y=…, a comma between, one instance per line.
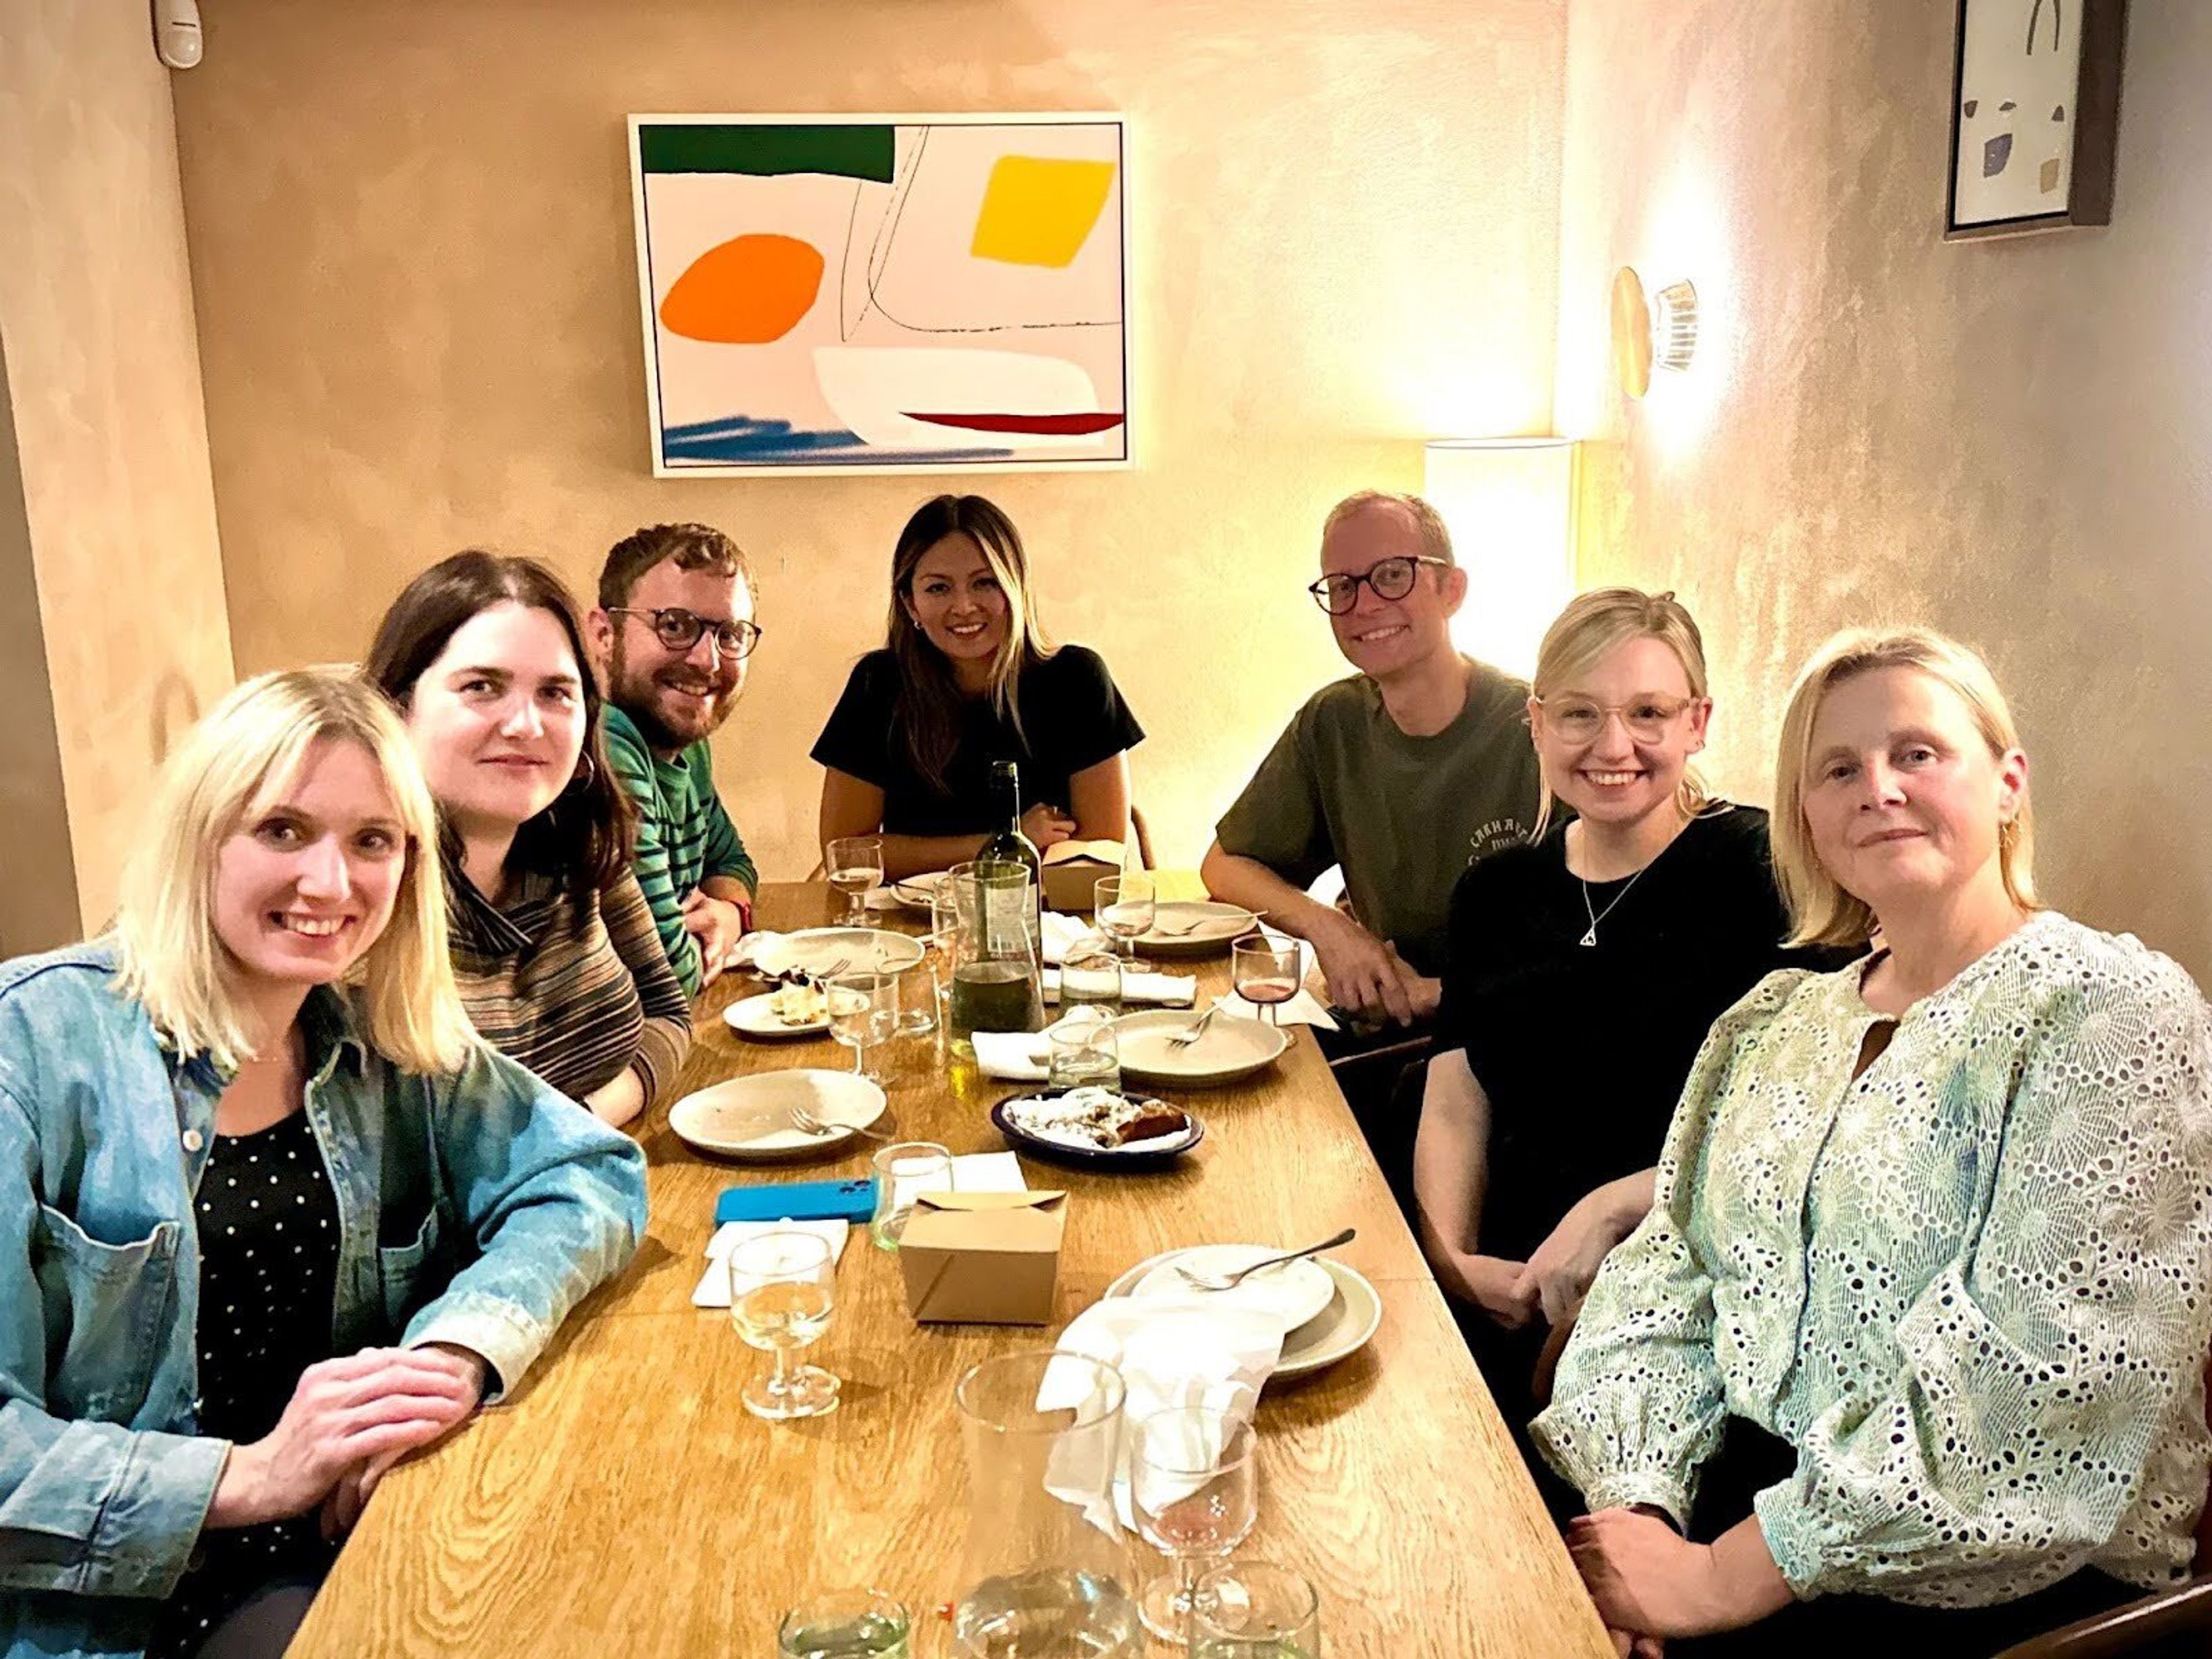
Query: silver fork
x=1199, y=1281
x=1184, y=1039
x=816, y=975
x=1197, y=922
x=803, y=1120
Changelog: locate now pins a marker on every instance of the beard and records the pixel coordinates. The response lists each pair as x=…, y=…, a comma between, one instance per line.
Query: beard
x=638, y=692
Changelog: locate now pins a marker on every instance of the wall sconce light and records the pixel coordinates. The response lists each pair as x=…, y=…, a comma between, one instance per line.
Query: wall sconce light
x=1509, y=505
x=1660, y=331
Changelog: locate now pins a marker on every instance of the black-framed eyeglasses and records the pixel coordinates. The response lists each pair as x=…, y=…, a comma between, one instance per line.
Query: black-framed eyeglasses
x=1391, y=579
x=679, y=630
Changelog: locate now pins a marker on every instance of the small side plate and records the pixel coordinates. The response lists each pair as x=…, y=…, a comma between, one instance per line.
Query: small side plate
x=755, y=1017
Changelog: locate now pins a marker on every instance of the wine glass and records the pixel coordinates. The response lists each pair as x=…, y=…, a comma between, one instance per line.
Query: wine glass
x=782, y=1289
x=855, y=867
x=1195, y=1489
x=1126, y=906
x=864, y=1010
x=1255, y=1610
x=1265, y=971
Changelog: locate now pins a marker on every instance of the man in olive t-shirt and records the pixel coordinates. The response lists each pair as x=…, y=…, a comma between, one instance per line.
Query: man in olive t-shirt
x=1404, y=774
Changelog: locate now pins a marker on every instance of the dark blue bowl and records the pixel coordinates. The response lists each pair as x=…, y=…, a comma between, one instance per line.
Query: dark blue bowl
x=1089, y=1158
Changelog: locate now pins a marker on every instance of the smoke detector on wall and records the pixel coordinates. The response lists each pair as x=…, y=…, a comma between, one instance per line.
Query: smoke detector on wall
x=177, y=33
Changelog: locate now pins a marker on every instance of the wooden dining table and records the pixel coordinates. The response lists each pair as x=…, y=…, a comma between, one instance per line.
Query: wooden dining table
x=621, y=1501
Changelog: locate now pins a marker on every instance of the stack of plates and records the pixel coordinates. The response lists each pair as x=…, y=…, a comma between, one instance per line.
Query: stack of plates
x=1328, y=1311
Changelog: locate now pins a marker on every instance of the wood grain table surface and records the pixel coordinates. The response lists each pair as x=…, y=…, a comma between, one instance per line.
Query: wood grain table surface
x=622, y=1501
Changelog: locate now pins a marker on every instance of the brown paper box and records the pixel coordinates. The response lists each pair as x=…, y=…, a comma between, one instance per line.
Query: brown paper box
x=983, y=1258
x=1071, y=884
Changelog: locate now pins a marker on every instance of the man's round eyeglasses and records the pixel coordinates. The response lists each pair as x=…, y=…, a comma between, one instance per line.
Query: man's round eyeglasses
x=1391, y=579
x=1579, y=719
x=679, y=630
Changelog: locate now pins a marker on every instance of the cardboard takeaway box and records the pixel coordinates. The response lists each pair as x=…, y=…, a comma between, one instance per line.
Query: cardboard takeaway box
x=983, y=1258
x=1071, y=871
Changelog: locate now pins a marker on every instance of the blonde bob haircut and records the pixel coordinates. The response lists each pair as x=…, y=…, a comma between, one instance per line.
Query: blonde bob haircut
x=251, y=744
x=1594, y=625
x=1820, y=911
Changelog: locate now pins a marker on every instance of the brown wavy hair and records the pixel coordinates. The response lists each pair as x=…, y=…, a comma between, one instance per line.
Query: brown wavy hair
x=586, y=835
x=929, y=698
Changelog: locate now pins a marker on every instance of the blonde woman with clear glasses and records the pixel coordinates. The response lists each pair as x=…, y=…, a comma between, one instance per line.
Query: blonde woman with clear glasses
x=1615, y=938
x=272, y=1216
x=1912, y=1342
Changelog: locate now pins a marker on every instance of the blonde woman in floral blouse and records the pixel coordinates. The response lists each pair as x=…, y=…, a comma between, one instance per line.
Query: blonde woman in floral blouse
x=1912, y=1342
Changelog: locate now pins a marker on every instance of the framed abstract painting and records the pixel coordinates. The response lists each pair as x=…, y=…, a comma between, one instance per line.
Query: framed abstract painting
x=2035, y=115
x=911, y=292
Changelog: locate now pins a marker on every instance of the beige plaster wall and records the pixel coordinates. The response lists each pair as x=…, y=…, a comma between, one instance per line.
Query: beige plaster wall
x=2007, y=440
x=412, y=251
x=111, y=442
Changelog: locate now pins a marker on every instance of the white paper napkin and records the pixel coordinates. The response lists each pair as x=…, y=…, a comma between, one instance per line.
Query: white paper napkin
x=1171, y=1352
x=1168, y=990
x=988, y=1172
x=1304, y=1009
x=714, y=1291
x=1062, y=933
x=1015, y=1057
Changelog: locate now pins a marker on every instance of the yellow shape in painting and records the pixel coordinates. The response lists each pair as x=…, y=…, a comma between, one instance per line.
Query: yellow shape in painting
x=1038, y=210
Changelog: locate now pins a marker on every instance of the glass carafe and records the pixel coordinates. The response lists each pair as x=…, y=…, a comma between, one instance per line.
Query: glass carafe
x=1045, y=1574
x=996, y=952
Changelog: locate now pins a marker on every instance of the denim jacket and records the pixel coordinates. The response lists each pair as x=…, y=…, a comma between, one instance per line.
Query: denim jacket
x=475, y=1209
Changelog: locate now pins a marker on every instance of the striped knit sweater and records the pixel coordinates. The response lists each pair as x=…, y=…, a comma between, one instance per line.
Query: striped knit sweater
x=576, y=1005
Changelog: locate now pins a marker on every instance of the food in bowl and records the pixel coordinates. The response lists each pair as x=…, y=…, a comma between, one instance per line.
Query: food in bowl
x=1097, y=1118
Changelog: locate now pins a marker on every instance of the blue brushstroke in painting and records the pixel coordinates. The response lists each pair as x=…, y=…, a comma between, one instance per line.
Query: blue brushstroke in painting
x=740, y=437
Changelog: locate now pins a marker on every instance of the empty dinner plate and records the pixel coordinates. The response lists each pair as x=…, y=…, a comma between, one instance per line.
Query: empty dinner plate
x=1339, y=1330
x=1194, y=927
x=1230, y=1048
x=821, y=950
x=750, y=1117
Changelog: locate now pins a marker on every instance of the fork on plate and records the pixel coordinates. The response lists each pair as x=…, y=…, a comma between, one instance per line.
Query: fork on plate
x=807, y=1121
x=1184, y=1039
x=1199, y=1281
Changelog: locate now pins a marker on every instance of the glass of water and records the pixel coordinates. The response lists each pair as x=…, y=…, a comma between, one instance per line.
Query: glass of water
x=1091, y=976
x=1083, y=1051
x=910, y=1168
x=864, y=1010
x=1255, y=1610
x=853, y=1623
x=855, y=865
x=782, y=1286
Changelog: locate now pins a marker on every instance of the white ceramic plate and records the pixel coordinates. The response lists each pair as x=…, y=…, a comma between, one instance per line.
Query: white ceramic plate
x=1233, y=1047
x=1211, y=926
x=755, y=1017
x=818, y=950
x=914, y=892
x=1294, y=1292
x=1350, y=1320
x=750, y=1117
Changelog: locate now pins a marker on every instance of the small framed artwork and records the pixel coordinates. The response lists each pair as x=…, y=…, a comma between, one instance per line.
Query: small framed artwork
x=2035, y=115
x=882, y=293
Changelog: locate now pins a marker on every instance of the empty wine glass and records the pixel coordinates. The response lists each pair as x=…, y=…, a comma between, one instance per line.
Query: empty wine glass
x=1265, y=971
x=1126, y=906
x=781, y=1290
x=1255, y=1610
x=1195, y=1490
x=863, y=1012
x=855, y=867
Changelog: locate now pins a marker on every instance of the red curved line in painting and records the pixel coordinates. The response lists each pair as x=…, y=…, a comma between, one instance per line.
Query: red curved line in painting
x=1065, y=425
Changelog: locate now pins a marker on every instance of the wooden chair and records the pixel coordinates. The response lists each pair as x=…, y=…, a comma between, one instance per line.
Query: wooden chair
x=1142, y=832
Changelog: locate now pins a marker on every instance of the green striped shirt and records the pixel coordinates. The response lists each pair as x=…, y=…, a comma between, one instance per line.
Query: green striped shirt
x=683, y=835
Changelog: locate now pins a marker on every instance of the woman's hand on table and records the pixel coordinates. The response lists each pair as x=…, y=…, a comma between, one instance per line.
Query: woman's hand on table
x=1650, y=1582
x=345, y=1414
x=344, y=1507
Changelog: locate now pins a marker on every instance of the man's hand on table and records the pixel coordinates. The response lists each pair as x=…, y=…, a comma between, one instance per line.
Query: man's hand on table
x=718, y=924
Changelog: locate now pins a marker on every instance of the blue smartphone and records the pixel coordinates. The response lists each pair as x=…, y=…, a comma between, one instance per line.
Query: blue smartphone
x=798, y=1200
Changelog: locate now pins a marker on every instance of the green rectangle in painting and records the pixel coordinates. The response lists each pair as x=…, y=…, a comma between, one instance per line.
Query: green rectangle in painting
x=844, y=152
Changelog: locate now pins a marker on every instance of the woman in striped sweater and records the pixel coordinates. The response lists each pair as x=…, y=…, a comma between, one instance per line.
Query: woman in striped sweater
x=554, y=948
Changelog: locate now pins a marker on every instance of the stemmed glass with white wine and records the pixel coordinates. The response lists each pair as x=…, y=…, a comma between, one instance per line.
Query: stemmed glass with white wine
x=782, y=1286
x=1126, y=906
x=855, y=865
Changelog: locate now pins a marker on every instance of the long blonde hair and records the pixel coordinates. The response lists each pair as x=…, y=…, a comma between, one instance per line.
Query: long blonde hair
x=1597, y=623
x=1820, y=911
x=171, y=960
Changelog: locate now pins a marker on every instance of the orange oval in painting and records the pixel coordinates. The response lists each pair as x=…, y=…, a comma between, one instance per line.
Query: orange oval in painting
x=745, y=292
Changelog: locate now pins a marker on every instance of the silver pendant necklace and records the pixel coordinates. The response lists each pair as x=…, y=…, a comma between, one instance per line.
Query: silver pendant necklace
x=1589, y=939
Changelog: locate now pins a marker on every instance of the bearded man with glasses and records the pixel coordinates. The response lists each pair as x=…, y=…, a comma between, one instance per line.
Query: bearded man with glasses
x=1403, y=774
x=672, y=634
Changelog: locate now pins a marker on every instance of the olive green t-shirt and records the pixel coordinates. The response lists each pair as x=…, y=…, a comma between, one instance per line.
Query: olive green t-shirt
x=1403, y=815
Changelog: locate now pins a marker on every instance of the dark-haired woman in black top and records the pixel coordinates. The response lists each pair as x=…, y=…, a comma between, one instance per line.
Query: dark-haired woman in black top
x=967, y=679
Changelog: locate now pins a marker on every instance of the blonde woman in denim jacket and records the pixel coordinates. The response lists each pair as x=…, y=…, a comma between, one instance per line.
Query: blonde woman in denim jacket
x=272, y=1018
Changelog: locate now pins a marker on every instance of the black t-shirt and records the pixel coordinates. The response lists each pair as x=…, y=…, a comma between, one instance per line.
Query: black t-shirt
x=1583, y=1050
x=1073, y=717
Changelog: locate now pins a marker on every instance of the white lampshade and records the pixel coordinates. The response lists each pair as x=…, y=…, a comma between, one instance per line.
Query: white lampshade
x=1510, y=504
